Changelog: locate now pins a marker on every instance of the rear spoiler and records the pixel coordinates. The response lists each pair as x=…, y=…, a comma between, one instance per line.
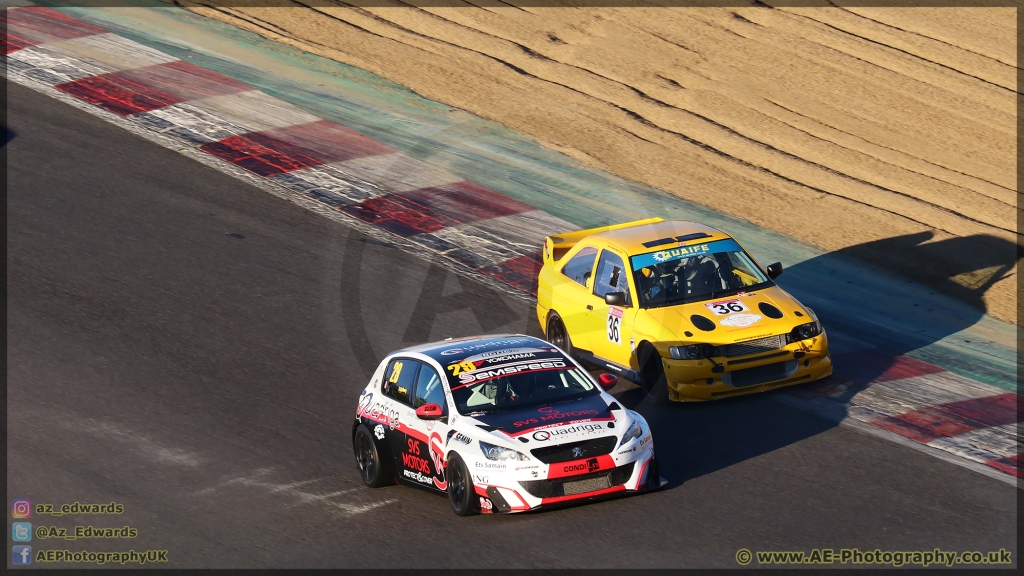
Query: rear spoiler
x=556, y=245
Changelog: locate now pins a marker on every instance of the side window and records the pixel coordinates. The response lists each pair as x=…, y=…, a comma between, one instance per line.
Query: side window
x=579, y=267
x=428, y=389
x=399, y=380
x=611, y=275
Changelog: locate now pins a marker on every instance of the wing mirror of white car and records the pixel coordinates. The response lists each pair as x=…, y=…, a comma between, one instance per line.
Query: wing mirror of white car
x=607, y=380
x=615, y=298
x=429, y=412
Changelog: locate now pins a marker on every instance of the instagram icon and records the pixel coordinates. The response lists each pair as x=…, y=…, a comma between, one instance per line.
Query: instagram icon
x=21, y=509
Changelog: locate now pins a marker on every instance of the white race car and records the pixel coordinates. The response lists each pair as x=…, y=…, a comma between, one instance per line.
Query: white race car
x=503, y=423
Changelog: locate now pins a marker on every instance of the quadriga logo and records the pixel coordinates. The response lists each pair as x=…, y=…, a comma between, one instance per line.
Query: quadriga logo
x=587, y=428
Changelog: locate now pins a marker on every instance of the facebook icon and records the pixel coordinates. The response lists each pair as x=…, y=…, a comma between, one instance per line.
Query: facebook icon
x=21, y=555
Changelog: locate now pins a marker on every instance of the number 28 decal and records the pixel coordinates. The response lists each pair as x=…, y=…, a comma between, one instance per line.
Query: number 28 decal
x=614, y=325
x=723, y=307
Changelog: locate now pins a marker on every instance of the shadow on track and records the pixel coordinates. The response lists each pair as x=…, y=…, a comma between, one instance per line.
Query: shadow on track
x=11, y=135
x=697, y=439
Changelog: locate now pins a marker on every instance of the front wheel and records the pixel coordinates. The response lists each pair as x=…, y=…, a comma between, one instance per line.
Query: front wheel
x=372, y=469
x=557, y=334
x=461, y=493
x=652, y=375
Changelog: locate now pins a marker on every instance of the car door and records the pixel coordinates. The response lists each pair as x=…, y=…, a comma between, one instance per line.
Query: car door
x=568, y=299
x=425, y=439
x=610, y=325
x=397, y=388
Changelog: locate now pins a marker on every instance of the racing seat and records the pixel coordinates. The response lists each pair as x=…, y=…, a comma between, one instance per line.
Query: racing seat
x=709, y=273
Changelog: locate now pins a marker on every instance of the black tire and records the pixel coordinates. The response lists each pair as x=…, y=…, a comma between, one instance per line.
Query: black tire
x=374, y=470
x=652, y=375
x=557, y=334
x=461, y=493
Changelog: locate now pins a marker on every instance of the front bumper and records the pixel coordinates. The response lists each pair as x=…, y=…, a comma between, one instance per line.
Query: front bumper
x=521, y=493
x=796, y=363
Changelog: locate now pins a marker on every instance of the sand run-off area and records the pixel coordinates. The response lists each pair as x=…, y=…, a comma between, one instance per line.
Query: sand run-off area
x=885, y=133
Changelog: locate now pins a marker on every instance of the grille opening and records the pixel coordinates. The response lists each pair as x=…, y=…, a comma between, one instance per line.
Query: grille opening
x=564, y=452
x=760, y=374
x=573, y=485
x=754, y=346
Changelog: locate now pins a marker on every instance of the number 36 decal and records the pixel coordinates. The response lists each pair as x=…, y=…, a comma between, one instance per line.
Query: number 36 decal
x=723, y=307
x=614, y=325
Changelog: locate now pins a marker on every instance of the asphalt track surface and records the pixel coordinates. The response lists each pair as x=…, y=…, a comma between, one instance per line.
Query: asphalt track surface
x=193, y=347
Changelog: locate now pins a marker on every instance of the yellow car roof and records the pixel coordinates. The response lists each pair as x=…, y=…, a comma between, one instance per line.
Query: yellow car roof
x=632, y=240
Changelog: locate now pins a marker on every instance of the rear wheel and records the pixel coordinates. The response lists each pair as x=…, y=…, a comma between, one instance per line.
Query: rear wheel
x=372, y=468
x=652, y=375
x=557, y=333
x=461, y=493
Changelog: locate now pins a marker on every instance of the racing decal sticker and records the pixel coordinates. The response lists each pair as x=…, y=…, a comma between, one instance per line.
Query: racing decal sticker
x=377, y=411
x=459, y=437
x=511, y=368
x=378, y=431
x=364, y=402
x=488, y=465
x=549, y=413
x=412, y=460
x=502, y=361
x=436, y=451
x=396, y=371
x=417, y=476
x=530, y=420
x=646, y=440
x=481, y=479
x=614, y=323
x=580, y=467
x=740, y=320
x=584, y=428
x=484, y=346
x=464, y=366
x=683, y=251
x=730, y=306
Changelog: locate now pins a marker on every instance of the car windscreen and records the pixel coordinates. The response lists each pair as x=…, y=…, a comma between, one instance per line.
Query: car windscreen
x=513, y=379
x=695, y=272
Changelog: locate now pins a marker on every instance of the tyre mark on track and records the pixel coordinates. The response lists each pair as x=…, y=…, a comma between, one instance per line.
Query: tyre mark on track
x=259, y=479
x=911, y=54
x=660, y=103
x=880, y=159
x=907, y=31
x=139, y=442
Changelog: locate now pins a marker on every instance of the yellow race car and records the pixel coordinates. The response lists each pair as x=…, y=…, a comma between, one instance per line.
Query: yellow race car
x=679, y=308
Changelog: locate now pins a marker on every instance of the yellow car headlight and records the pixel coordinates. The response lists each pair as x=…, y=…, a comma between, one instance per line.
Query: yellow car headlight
x=692, y=351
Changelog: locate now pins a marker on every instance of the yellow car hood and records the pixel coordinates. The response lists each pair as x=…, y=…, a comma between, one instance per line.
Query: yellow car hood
x=753, y=321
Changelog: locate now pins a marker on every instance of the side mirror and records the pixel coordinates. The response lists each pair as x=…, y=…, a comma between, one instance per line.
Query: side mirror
x=429, y=412
x=607, y=380
x=774, y=270
x=615, y=298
